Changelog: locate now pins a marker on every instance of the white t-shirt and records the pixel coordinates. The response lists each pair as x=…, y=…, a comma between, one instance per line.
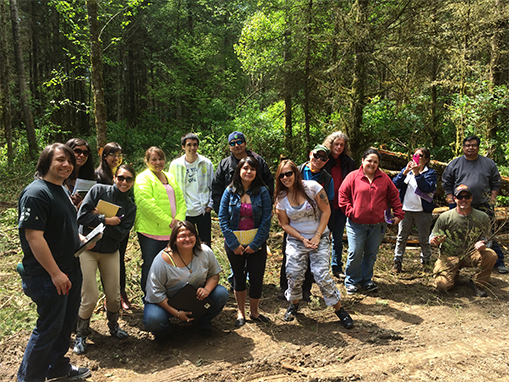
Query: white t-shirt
x=191, y=194
x=302, y=217
x=412, y=202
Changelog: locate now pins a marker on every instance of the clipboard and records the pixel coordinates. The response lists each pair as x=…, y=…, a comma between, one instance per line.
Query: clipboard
x=185, y=299
x=92, y=238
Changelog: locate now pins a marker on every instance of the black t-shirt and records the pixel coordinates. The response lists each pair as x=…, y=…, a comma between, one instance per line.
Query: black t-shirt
x=44, y=206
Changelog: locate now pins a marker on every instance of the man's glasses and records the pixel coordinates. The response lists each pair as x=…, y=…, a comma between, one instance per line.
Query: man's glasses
x=321, y=157
x=287, y=174
x=233, y=143
x=471, y=146
x=128, y=179
x=463, y=196
x=81, y=152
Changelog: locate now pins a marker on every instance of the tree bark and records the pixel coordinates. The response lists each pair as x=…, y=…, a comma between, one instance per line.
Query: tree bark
x=22, y=83
x=359, y=76
x=97, y=73
x=5, y=94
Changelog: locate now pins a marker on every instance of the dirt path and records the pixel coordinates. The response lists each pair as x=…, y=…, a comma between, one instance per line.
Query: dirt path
x=405, y=331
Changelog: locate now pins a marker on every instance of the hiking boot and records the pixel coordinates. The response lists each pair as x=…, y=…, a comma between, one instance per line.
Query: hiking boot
x=80, y=343
x=345, y=318
x=291, y=312
x=426, y=266
x=396, y=268
x=115, y=330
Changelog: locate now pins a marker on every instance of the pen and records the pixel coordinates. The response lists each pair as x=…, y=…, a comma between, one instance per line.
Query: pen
x=121, y=216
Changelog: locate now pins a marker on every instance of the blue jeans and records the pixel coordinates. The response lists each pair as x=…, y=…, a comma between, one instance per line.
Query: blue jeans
x=150, y=248
x=363, y=244
x=45, y=352
x=156, y=319
x=337, y=227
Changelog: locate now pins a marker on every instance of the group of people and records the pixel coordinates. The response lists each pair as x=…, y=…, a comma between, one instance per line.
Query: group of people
x=171, y=213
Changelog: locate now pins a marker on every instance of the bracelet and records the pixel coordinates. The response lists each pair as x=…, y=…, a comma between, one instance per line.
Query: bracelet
x=302, y=238
x=178, y=313
x=318, y=233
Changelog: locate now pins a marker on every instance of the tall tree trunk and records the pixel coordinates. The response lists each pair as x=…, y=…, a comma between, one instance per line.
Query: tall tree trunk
x=497, y=46
x=97, y=73
x=359, y=76
x=5, y=94
x=288, y=97
x=22, y=83
x=307, y=74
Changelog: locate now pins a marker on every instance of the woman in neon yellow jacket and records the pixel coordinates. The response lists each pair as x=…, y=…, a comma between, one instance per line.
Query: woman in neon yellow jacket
x=161, y=205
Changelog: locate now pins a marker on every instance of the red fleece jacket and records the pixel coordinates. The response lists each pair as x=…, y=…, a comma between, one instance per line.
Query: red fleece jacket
x=365, y=203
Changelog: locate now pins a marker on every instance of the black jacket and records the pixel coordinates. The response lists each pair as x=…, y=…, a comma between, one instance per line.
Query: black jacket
x=112, y=235
x=224, y=175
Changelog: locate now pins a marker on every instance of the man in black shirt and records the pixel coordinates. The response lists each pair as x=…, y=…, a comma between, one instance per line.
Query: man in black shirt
x=51, y=275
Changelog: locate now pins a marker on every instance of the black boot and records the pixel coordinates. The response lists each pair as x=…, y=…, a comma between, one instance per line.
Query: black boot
x=291, y=312
x=345, y=318
x=80, y=344
x=115, y=330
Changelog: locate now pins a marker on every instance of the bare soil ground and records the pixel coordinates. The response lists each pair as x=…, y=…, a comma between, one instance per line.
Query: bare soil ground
x=404, y=331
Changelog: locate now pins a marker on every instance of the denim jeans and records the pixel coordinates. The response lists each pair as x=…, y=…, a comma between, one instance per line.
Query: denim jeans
x=156, y=319
x=203, y=224
x=150, y=248
x=45, y=352
x=363, y=244
x=337, y=228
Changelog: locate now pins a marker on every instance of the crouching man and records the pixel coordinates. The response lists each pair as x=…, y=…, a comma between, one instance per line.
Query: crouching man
x=462, y=235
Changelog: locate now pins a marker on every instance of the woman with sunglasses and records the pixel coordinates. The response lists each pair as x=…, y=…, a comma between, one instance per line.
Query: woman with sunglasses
x=185, y=260
x=366, y=195
x=303, y=211
x=105, y=254
x=246, y=206
x=417, y=184
x=161, y=205
x=84, y=168
x=111, y=158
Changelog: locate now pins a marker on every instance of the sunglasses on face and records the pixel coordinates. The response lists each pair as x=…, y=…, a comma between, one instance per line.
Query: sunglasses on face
x=419, y=155
x=233, y=143
x=463, y=196
x=287, y=174
x=128, y=179
x=321, y=157
x=81, y=152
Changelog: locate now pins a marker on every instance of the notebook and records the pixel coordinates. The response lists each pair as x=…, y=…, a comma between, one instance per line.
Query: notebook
x=185, y=299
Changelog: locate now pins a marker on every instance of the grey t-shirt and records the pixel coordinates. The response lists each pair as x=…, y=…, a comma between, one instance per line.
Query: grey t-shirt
x=164, y=280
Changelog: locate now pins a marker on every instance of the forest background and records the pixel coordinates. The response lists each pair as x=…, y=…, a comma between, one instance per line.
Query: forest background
x=393, y=73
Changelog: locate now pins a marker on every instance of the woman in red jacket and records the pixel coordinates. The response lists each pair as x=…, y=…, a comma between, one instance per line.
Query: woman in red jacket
x=364, y=196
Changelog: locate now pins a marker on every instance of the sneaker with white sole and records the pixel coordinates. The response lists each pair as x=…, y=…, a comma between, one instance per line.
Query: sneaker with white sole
x=370, y=287
x=351, y=289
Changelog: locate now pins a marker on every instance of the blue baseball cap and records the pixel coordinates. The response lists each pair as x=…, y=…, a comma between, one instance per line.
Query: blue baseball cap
x=236, y=135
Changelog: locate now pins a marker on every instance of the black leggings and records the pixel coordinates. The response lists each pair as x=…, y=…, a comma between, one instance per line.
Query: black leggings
x=254, y=264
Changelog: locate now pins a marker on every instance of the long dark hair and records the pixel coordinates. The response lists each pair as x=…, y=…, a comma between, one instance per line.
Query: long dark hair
x=87, y=171
x=256, y=184
x=281, y=190
x=184, y=224
x=103, y=172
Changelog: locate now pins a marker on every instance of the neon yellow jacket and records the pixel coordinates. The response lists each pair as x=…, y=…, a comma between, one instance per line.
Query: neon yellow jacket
x=154, y=212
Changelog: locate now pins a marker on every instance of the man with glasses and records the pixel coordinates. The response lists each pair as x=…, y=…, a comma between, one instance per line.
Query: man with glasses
x=227, y=166
x=462, y=234
x=310, y=170
x=481, y=175
x=194, y=174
